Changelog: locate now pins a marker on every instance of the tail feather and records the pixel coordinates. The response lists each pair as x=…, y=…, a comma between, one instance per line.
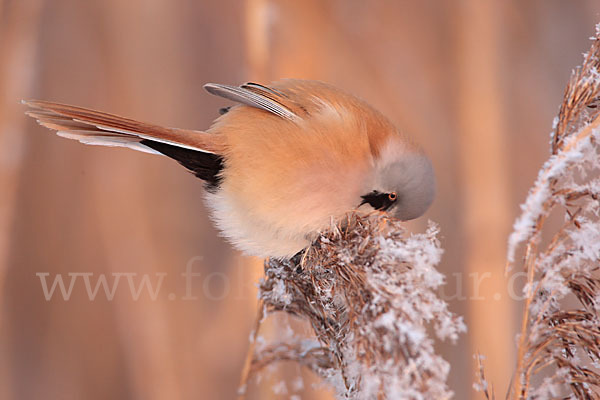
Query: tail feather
x=198, y=151
x=93, y=127
x=130, y=142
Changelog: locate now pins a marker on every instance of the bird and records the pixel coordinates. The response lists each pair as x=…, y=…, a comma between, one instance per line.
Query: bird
x=279, y=166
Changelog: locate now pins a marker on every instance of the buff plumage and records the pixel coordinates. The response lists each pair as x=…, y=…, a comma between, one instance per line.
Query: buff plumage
x=281, y=165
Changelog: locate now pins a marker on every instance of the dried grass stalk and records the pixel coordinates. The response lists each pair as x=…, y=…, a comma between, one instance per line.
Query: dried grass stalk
x=368, y=290
x=559, y=342
x=482, y=384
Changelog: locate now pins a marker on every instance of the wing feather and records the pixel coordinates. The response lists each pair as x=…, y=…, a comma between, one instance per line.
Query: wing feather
x=258, y=96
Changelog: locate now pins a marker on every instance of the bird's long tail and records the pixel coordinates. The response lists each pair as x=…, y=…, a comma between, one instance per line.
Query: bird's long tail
x=197, y=151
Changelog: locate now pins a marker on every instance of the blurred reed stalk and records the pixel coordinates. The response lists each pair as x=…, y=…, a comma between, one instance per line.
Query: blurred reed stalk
x=559, y=341
x=144, y=331
x=367, y=288
x=19, y=28
x=18, y=44
x=484, y=169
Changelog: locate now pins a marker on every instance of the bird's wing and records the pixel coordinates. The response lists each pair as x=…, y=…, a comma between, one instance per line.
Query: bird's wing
x=259, y=96
x=99, y=128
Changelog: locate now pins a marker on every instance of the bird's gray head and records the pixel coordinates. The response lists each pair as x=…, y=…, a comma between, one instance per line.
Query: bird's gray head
x=403, y=184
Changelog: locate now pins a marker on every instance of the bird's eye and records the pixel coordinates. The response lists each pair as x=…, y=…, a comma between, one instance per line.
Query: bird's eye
x=379, y=201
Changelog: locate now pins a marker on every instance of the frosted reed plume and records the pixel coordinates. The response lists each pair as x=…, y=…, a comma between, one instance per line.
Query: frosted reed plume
x=368, y=290
x=559, y=342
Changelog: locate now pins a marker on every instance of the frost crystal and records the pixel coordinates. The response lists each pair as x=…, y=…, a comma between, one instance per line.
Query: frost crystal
x=560, y=337
x=368, y=290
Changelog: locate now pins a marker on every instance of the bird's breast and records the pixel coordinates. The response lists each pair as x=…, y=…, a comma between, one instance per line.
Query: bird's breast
x=282, y=181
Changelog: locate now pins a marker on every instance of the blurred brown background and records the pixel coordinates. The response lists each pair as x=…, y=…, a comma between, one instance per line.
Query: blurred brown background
x=477, y=82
